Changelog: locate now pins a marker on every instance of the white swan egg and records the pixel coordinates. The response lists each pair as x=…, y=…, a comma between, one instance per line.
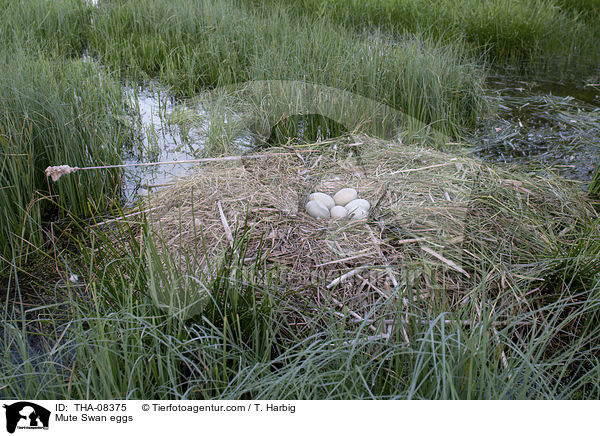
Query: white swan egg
x=317, y=210
x=323, y=198
x=358, y=214
x=359, y=202
x=345, y=196
x=338, y=212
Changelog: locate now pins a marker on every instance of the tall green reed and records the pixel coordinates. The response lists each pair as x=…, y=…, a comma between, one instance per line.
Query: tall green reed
x=587, y=9
x=536, y=32
x=195, y=45
x=54, y=113
x=55, y=28
x=244, y=343
x=594, y=188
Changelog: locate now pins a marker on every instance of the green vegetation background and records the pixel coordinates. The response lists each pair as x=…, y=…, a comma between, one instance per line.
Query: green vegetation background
x=427, y=58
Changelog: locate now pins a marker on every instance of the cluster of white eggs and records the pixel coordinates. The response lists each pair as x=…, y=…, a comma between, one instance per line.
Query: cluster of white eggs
x=345, y=203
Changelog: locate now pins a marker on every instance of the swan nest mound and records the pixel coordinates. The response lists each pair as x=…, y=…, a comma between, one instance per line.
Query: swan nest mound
x=438, y=222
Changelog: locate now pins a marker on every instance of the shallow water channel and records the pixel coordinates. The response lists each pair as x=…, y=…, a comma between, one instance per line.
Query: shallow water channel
x=542, y=126
x=159, y=141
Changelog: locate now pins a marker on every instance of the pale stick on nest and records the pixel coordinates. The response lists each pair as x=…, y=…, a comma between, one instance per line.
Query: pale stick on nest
x=58, y=171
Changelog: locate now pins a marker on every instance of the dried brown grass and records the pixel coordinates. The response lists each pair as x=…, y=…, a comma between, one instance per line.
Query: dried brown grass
x=439, y=224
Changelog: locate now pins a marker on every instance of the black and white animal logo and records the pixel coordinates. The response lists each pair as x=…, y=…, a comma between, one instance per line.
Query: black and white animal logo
x=26, y=415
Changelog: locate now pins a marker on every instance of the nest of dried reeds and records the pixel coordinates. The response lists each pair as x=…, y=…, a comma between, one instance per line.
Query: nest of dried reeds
x=440, y=224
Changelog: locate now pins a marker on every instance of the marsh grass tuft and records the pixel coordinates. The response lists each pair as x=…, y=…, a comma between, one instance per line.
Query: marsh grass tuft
x=594, y=188
x=545, y=36
x=199, y=45
x=54, y=112
x=253, y=342
x=55, y=28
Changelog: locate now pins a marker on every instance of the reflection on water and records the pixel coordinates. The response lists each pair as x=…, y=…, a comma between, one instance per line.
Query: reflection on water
x=534, y=125
x=159, y=141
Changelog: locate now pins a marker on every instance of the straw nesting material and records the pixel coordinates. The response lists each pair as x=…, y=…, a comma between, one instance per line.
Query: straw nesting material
x=434, y=218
